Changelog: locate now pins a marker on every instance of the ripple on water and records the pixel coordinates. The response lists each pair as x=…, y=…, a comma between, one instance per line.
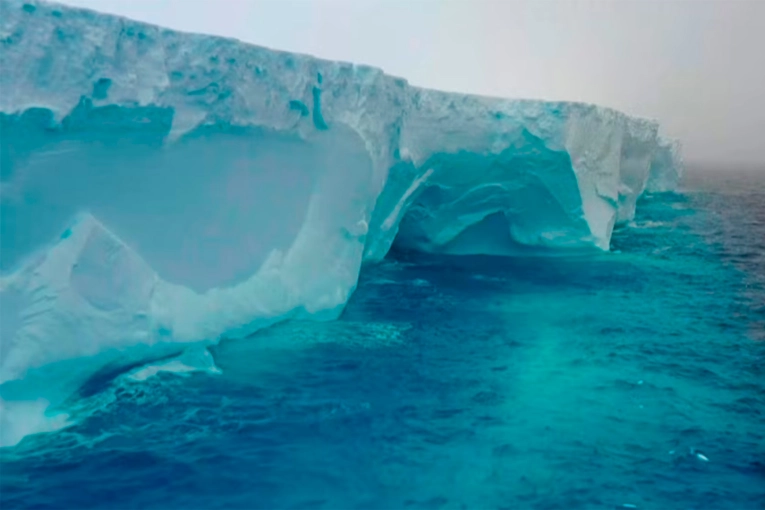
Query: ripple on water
x=621, y=381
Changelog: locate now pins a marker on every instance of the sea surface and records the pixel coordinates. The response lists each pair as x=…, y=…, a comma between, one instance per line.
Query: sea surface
x=631, y=379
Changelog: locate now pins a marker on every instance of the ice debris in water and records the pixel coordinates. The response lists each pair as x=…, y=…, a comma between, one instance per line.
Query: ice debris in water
x=191, y=187
x=193, y=360
x=694, y=453
x=699, y=455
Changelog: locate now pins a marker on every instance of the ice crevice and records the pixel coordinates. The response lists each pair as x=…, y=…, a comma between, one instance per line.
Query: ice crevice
x=162, y=190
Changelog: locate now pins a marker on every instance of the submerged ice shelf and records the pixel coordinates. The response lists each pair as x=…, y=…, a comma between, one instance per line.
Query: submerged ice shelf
x=163, y=189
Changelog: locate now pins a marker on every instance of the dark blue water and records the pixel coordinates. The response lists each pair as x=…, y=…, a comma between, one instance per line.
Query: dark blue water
x=635, y=379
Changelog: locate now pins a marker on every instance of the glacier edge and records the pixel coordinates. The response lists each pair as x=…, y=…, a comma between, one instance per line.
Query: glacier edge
x=197, y=187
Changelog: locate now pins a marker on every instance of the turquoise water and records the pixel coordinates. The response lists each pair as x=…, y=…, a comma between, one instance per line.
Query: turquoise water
x=634, y=379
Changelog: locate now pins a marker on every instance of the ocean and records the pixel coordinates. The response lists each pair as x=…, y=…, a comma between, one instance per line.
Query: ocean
x=630, y=379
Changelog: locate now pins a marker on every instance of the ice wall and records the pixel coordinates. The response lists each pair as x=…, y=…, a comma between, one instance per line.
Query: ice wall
x=666, y=168
x=162, y=189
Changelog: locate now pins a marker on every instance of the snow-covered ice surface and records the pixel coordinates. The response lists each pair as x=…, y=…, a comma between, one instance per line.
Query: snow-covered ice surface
x=162, y=190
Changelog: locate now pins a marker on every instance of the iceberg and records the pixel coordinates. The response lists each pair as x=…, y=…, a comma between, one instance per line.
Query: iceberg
x=666, y=167
x=163, y=190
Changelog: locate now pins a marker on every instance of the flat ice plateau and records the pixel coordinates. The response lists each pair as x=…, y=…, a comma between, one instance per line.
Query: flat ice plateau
x=162, y=190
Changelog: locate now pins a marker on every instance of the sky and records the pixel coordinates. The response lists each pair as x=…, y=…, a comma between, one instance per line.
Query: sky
x=696, y=66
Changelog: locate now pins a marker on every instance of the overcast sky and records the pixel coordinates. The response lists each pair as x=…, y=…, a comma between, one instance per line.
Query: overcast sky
x=697, y=66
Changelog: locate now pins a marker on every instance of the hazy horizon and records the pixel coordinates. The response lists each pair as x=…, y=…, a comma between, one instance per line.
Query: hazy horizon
x=692, y=65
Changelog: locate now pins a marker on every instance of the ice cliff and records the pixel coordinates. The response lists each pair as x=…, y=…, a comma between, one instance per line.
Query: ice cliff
x=163, y=189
